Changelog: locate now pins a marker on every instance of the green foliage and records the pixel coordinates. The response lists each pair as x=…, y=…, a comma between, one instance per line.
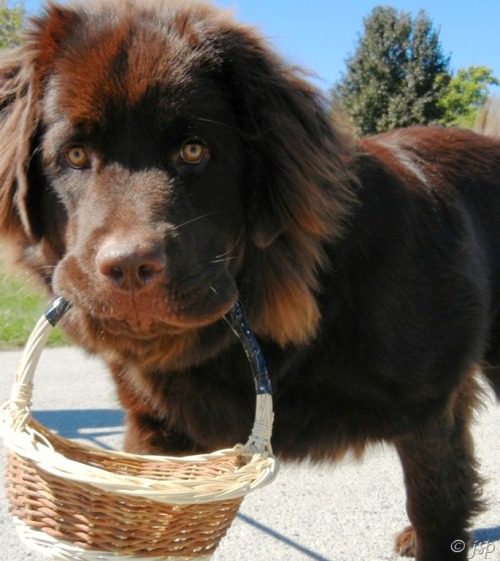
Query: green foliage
x=397, y=74
x=11, y=19
x=466, y=94
x=21, y=305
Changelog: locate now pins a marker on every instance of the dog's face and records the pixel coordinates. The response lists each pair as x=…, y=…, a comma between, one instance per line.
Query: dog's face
x=168, y=165
x=149, y=178
x=147, y=167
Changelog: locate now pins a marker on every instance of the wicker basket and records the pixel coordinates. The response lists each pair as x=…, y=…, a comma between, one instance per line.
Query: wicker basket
x=73, y=501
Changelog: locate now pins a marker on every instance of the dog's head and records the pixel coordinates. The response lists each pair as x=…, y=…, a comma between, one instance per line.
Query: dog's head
x=157, y=162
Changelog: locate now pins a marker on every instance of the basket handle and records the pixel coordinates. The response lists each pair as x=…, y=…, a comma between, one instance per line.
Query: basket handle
x=22, y=391
x=260, y=438
x=19, y=405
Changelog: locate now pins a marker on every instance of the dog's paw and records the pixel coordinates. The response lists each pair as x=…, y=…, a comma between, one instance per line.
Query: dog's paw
x=405, y=544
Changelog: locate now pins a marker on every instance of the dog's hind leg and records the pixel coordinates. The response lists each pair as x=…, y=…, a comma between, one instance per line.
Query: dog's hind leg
x=442, y=484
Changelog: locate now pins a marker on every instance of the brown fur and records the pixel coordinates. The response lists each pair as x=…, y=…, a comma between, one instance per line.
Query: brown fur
x=369, y=270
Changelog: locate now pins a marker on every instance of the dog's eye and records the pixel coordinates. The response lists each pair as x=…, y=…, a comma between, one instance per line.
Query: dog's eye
x=77, y=157
x=193, y=151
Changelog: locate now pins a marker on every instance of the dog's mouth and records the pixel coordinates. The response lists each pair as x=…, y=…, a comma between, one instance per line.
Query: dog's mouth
x=145, y=319
x=125, y=328
x=145, y=326
x=148, y=316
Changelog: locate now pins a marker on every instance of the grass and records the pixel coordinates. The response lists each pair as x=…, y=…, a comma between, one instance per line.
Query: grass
x=20, y=307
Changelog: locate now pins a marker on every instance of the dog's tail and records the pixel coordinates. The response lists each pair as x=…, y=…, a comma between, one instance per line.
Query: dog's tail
x=488, y=121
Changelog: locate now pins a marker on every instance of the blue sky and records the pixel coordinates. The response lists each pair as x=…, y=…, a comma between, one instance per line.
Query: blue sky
x=319, y=34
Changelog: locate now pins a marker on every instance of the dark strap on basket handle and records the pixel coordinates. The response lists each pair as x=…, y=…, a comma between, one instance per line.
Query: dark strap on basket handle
x=255, y=356
x=56, y=309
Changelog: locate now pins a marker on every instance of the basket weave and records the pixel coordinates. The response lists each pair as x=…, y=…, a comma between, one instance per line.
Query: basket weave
x=74, y=501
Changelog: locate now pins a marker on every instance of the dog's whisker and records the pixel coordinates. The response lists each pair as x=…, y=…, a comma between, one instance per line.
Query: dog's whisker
x=233, y=247
x=223, y=260
x=215, y=122
x=216, y=289
x=193, y=220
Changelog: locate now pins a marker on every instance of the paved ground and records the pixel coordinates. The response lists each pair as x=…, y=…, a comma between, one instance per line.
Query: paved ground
x=345, y=513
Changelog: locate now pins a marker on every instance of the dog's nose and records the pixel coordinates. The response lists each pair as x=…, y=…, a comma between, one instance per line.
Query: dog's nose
x=131, y=267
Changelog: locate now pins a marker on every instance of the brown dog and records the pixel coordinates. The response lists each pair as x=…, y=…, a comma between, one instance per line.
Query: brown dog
x=159, y=162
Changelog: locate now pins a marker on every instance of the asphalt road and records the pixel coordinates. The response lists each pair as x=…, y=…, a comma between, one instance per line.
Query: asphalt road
x=346, y=512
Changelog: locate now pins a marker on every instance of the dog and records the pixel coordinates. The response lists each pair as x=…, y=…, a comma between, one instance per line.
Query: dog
x=159, y=161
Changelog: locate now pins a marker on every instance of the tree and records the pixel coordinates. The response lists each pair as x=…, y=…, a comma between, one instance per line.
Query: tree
x=466, y=94
x=397, y=74
x=10, y=24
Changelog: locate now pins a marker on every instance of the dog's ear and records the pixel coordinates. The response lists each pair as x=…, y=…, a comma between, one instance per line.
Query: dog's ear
x=22, y=74
x=18, y=124
x=296, y=184
x=296, y=176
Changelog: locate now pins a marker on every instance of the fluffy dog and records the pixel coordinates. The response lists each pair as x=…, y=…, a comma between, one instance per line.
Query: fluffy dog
x=158, y=162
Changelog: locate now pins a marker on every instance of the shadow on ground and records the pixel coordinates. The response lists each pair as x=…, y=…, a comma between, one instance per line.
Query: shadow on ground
x=93, y=425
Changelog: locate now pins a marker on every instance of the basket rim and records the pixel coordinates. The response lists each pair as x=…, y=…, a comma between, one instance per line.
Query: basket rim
x=34, y=444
